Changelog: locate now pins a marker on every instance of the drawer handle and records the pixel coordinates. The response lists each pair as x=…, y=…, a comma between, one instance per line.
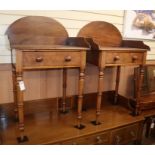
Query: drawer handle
x=118, y=139
x=134, y=58
x=132, y=133
x=74, y=143
x=39, y=59
x=116, y=58
x=99, y=140
x=68, y=58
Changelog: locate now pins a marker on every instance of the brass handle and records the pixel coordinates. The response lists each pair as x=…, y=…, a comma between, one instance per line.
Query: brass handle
x=118, y=139
x=68, y=58
x=116, y=58
x=99, y=140
x=74, y=143
x=134, y=57
x=39, y=59
x=132, y=133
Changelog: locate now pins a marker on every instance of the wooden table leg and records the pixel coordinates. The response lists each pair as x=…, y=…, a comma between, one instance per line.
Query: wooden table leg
x=99, y=96
x=15, y=93
x=117, y=84
x=21, y=138
x=80, y=99
x=138, y=93
x=64, y=111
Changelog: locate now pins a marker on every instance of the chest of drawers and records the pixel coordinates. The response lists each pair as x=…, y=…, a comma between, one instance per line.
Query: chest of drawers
x=129, y=134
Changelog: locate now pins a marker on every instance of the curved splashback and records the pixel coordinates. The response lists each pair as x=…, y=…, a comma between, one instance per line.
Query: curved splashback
x=102, y=33
x=36, y=29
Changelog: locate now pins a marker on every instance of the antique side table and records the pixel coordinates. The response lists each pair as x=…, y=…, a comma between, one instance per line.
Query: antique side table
x=43, y=43
x=109, y=49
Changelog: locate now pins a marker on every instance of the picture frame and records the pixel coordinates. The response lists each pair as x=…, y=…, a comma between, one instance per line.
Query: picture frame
x=139, y=24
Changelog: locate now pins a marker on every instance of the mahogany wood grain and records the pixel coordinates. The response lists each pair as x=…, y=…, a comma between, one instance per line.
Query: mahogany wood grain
x=52, y=59
x=36, y=26
x=99, y=32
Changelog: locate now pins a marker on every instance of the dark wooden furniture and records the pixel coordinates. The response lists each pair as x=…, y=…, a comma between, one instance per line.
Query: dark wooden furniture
x=147, y=98
x=147, y=93
x=43, y=43
x=118, y=128
x=149, y=116
x=108, y=49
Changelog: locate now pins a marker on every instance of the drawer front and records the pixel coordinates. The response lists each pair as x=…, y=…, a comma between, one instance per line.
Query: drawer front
x=132, y=132
x=124, y=58
x=125, y=135
x=52, y=59
x=96, y=139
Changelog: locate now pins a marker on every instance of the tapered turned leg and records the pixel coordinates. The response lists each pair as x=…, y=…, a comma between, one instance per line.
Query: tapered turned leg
x=15, y=93
x=138, y=93
x=117, y=84
x=22, y=138
x=64, y=91
x=80, y=100
x=99, y=96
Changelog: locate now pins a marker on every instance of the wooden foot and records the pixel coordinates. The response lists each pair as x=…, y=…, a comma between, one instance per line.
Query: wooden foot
x=135, y=113
x=95, y=122
x=22, y=139
x=80, y=126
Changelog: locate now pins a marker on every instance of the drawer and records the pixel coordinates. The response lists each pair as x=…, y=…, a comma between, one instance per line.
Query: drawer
x=52, y=59
x=96, y=139
x=125, y=135
x=132, y=132
x=124, y=58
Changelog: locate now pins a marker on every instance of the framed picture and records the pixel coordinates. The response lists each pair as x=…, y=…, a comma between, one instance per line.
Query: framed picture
x=139, y=24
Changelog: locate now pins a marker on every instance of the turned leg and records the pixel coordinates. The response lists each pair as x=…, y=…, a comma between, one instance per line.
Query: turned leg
x=20, y=105
x=99, y=96
x=117, y=84
x=64, y=91
x=15, y=92
x=138, y=93
x=80, y=99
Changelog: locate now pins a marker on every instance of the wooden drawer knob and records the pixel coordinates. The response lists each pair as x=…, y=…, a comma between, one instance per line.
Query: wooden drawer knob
x=99, y=140
x=132, y=133
x=68, y=58
x=39, y=59
x=116, y=58
x=134, y=58
x=74, y=143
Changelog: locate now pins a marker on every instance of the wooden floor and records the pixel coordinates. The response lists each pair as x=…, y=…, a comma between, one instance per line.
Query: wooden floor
x=51, y=127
